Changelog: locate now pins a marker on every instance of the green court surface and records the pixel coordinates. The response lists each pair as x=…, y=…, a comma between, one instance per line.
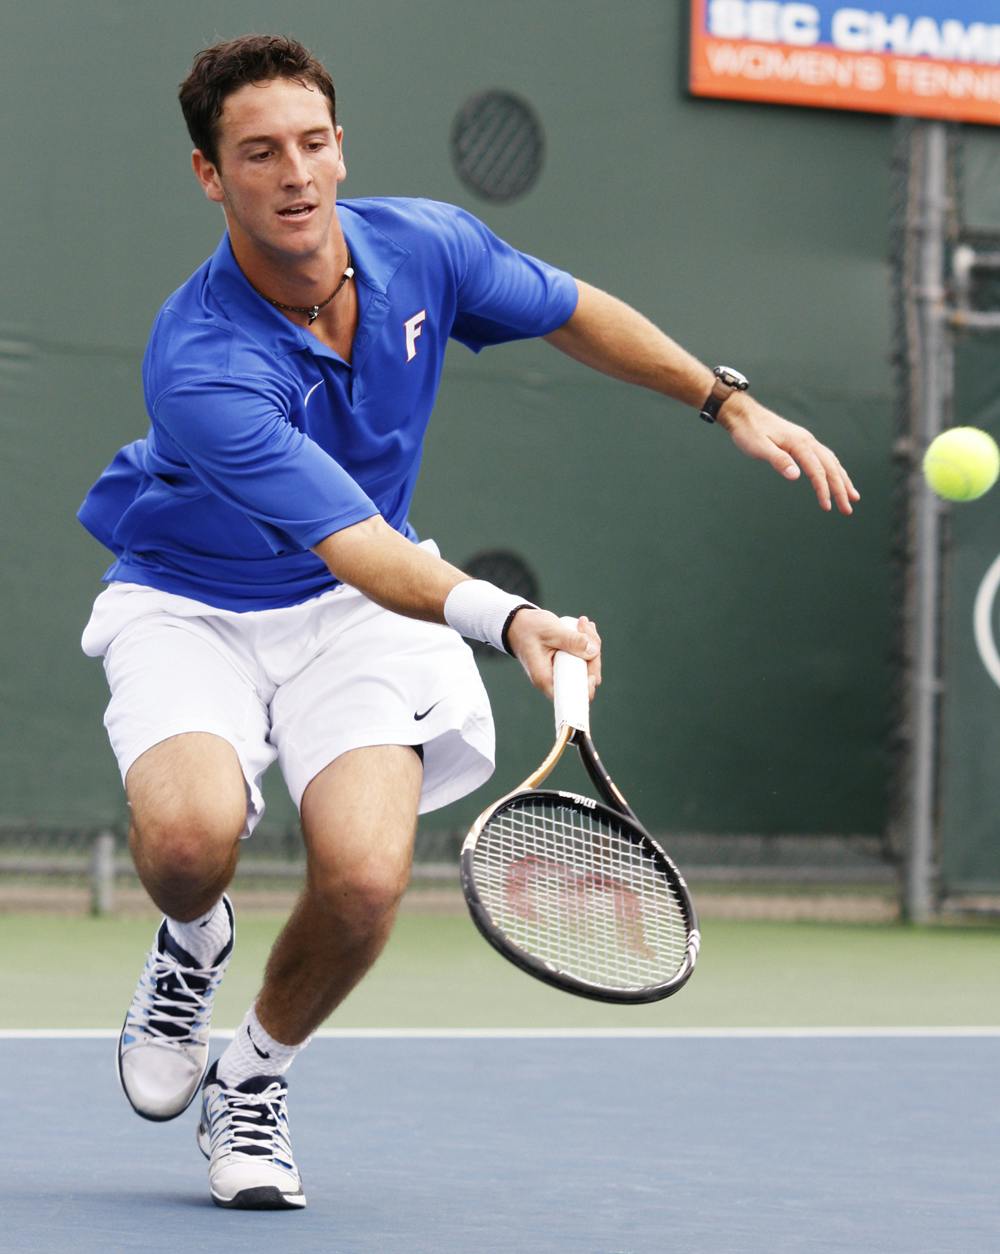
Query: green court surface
x=60, y=971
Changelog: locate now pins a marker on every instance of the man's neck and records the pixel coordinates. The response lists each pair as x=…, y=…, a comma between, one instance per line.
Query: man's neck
x=304, y=283
x=298, y=281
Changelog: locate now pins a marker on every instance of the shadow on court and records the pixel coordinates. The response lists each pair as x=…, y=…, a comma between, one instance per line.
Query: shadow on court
x=434, y=1145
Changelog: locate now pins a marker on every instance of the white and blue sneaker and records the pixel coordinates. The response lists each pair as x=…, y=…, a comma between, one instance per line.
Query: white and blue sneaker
x=163, y=1047
x=244, y=1134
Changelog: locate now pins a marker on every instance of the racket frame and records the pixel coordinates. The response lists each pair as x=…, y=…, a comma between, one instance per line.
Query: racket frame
x=613, y=806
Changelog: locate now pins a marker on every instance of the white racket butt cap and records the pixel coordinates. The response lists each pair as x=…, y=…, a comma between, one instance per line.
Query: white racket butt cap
x=571, y=689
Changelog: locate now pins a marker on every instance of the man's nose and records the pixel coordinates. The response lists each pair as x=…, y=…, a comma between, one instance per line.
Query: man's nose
x=295, y=172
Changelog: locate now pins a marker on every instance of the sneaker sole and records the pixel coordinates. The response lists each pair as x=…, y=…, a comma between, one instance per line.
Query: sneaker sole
x=265, y=1197
x=142, y=1113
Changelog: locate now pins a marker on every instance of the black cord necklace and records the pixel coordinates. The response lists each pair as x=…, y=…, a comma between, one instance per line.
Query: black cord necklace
x=312, y=311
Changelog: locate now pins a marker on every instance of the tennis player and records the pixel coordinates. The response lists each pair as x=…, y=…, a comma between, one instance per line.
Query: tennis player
x=269, y=599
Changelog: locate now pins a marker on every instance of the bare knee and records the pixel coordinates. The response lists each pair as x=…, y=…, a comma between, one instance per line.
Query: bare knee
x=188, y=800
x=359, y=818
x=363, y=895
x=187, y=844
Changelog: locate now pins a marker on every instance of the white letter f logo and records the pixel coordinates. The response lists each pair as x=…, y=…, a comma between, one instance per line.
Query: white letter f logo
x=412, y=328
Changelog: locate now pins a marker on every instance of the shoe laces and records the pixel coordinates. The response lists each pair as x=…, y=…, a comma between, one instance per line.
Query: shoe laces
x=251, y=1123
x=172, y=1000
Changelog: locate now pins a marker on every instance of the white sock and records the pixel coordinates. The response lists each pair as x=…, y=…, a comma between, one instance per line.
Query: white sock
x=254, y=1052
x=204, y=938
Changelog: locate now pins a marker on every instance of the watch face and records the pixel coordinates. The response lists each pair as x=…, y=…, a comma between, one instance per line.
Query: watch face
x=731, y=378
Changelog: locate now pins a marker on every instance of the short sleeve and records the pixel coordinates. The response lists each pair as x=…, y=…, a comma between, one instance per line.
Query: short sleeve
x=504, y=294
x=238, y=442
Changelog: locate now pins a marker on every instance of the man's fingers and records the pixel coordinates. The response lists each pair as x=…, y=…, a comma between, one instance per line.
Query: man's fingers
x=841, y=489
x=793, y=451
x=816, y=473
x=536, y=638
x=820, y=465
x=584, y=646
x=593, y=654
x=586, y=643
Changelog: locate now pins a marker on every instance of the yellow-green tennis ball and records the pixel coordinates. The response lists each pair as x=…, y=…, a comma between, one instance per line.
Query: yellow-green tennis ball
x=962, y=464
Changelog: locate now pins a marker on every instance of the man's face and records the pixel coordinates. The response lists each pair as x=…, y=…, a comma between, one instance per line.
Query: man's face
x=280, y=160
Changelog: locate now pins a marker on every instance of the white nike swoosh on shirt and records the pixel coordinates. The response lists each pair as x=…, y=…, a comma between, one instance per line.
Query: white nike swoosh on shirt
x=310, y=392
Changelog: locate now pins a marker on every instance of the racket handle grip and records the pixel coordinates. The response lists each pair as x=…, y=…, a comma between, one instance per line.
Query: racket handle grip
x=571, y=689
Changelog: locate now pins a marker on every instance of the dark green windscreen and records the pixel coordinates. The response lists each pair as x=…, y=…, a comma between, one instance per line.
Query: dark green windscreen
x=970, y=723
x=746, y=633
x=969, y=811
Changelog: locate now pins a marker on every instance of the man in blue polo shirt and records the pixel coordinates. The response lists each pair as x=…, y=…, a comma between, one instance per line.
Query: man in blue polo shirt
x=268, y=598
x=268, y=435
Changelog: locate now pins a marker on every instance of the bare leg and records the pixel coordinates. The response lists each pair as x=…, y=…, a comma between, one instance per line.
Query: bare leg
x=188, y=800
x=359, y=820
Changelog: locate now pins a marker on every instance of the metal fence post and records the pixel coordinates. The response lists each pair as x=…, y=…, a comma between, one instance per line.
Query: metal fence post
x=932, y=412
x=102, y=874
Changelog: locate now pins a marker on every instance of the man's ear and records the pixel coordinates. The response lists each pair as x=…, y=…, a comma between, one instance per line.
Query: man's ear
x=207, y=175
x=341, y=164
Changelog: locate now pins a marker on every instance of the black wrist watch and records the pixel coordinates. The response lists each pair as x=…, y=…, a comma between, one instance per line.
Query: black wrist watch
x=727, y=381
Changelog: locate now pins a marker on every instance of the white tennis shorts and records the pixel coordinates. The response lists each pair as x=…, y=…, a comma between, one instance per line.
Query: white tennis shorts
x=302, y=685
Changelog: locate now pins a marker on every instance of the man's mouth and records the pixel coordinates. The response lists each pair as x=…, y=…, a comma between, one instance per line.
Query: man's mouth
x=296, y=211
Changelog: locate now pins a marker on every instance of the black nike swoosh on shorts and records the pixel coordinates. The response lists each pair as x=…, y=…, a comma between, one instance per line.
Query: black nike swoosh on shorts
x=259, y=1051
x=418, y=717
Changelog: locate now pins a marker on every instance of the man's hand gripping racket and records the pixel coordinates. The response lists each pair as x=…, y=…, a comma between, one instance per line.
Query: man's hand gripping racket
x=574, y=891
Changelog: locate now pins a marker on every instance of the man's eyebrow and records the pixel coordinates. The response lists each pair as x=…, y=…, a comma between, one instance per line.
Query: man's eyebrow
x=270, y=139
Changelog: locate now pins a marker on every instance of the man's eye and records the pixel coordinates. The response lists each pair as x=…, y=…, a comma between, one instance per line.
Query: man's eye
x=259, y=156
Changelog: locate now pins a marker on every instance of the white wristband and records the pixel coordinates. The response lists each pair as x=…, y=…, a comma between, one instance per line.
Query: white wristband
x=482, y=611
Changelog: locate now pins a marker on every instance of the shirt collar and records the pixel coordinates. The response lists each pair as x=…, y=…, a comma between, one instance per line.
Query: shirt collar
x=376, y=259
x=376, y=256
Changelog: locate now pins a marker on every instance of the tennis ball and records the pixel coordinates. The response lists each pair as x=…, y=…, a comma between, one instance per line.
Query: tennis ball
x=962, y=463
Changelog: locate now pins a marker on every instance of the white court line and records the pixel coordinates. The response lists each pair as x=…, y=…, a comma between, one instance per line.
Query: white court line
x=625, y=1034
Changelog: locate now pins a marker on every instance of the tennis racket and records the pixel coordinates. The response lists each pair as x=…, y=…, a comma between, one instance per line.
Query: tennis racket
x=575, y=891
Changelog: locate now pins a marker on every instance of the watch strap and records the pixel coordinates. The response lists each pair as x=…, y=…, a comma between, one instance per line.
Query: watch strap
x=720, y=393
x=713, y=402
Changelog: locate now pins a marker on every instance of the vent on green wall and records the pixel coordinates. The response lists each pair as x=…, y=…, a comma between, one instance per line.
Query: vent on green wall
x=497, y=145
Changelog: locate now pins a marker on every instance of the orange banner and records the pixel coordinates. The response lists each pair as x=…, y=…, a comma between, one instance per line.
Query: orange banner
x=826, y=77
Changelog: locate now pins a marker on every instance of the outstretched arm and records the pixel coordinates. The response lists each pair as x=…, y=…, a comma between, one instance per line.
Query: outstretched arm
x=612, y=337
x=374, y=558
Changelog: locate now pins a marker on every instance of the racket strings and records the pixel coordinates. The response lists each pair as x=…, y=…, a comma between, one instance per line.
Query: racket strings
x=575, y=889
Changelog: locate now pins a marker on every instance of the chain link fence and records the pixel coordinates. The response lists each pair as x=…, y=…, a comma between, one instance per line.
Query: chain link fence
x=90, y=868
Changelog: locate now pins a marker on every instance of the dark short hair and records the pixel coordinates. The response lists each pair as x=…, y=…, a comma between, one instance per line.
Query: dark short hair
x=226, y=67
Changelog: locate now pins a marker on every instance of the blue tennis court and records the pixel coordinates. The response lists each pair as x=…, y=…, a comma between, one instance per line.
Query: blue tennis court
x=598, y=1143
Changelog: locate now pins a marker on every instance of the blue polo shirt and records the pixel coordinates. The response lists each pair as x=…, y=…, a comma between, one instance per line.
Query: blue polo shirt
x=263, y=441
